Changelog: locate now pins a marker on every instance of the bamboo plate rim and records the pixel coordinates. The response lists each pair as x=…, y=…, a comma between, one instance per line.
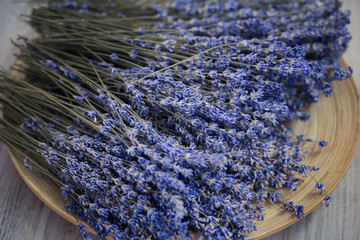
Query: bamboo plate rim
x=44, y=188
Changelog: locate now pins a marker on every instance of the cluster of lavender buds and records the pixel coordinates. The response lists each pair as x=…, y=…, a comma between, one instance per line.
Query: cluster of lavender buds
x=160, y=120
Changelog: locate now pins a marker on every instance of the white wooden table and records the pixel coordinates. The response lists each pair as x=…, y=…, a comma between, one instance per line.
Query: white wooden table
x=23, y=216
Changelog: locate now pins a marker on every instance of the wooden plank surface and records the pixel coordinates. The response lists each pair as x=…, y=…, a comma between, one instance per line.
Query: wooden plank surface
x=24, y=216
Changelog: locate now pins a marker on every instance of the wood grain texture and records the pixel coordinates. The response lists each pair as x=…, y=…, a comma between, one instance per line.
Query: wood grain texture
x=24, y=216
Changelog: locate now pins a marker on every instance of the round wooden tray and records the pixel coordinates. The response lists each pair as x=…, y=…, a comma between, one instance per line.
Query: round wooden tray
x=334, y=119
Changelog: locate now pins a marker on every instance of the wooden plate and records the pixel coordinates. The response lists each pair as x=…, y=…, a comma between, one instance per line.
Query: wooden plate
x=334, y=119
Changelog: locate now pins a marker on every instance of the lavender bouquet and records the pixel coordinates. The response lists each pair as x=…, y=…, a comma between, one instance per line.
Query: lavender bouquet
x=161, y=119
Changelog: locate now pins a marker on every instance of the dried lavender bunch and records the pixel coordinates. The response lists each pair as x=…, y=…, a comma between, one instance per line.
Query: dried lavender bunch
x=161, y=120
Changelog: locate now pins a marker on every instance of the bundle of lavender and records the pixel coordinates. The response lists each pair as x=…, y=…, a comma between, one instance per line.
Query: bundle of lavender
x=159, y=120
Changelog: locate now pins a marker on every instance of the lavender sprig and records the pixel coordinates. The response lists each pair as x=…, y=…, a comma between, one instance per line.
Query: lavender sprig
x=168, y=120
